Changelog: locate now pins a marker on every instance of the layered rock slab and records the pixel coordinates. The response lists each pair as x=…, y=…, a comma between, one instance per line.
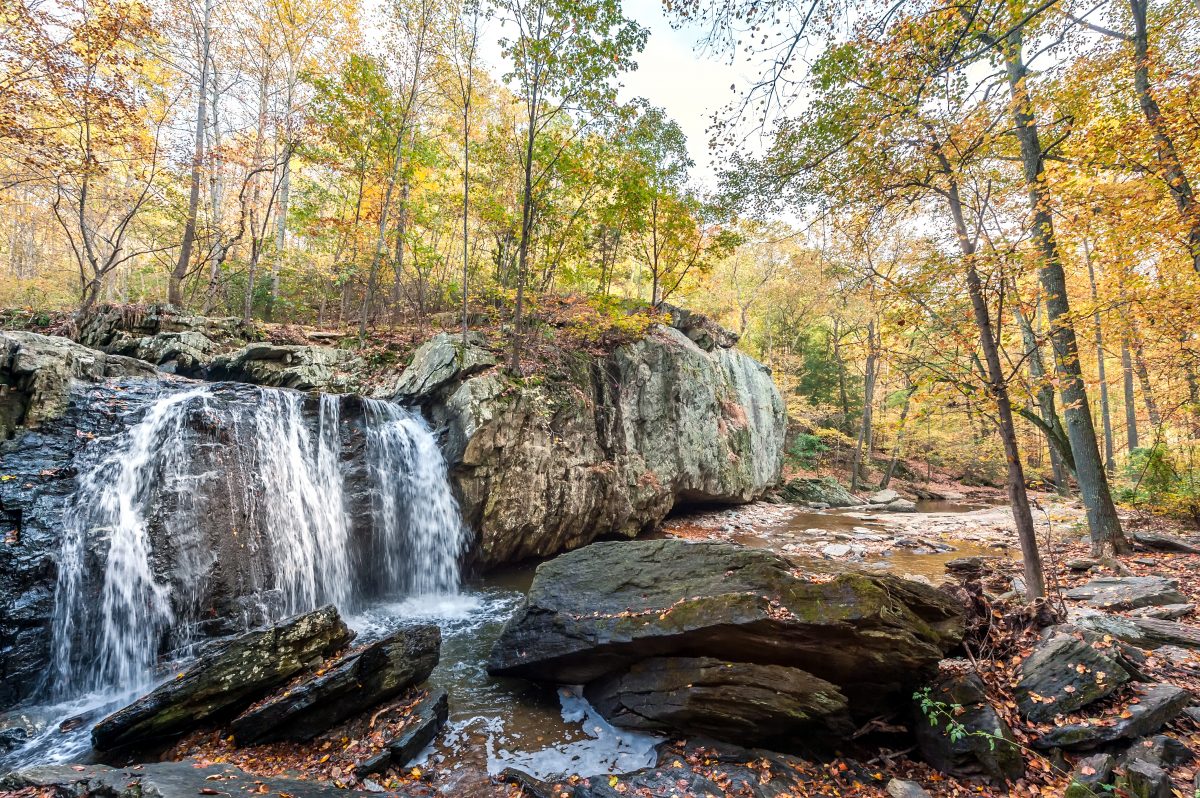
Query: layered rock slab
x=706, y=696
x=349, y=685
x=634, y=618
x=225, y=680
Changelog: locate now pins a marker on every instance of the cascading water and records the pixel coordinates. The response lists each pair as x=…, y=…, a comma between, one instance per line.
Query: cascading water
x=249, y=471
x=421, y=534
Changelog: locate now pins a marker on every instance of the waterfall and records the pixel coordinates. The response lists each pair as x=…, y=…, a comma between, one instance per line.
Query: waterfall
x=421, y=531
x=251, y=488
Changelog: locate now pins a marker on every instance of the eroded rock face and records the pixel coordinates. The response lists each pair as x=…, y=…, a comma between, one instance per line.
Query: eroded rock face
x=355, y=682
x=606, y=450
x=983, y=746
x=638, y=619
x=225, y=680
x=38, y=371
x=304, y=368
x=1127, y=592
x=727, y=700
x=1065, y=672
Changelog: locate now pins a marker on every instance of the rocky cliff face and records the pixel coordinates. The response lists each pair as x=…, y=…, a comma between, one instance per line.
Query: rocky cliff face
x=609, y=449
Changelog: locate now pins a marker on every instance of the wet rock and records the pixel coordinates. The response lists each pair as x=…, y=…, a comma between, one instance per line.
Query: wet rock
x=347, y=686
x=1090, y=776
x=825, y=491
x=225, y=679
x=1128, y=592
x=1159, y=542
x=304, y=368
x=1063, y=673
x=886, y=496
x=604, y=448
x=899, y=506
x=1143, y=780
x=184, y=779
x=1158, y=704
x=836, y=550
x=1141, y=631
x=723, y=770
x=428, y=718
x=1160, y=750
x=37, y=371
x=1167, y=612
x=601, y=609
x=960, y=734
x=901, y=788
x=737, y=701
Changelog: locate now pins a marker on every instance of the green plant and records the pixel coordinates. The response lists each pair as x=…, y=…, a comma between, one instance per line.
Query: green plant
x=806, y=448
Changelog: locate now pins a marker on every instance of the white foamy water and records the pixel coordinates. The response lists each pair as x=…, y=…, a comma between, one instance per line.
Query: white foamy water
x=134, y=560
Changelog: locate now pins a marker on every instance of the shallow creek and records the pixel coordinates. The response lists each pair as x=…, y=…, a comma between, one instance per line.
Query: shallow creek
x=498, y=723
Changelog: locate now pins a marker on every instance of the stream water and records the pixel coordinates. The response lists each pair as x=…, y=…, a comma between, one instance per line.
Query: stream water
x=272, y=473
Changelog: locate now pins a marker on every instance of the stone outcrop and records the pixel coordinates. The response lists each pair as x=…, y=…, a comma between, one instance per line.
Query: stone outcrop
x=38, y=371
x=303, y=368
x=212, y=348
x=721, y=699
x=426, y=720
x=607, y=449
x=635, y=619
x=184, y=779
x=1127, y=592
x=351, y=684
x=225, y=680
x=1065, y=672
x=819, y=491
x=982, y=744
x=1155, y=705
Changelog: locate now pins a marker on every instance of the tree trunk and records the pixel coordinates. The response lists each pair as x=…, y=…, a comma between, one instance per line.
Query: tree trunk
x=1105, y=526
x=1110, y=463
x=1143, y=374
x=1044, y=392
x=179, y=273
x=1131, y=432
x=1168, y=159
x=864, y=430
x=896, y=447
x=526, y=229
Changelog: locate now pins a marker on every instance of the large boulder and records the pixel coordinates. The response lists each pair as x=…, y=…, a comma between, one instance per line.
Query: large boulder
x=1155, y=706
x=304, y=368
x=613, y=609
x=349, y=685
x=819, y=490
x=225, y=680
x=1066, y=671
x=423, y=725
x=604, y=447
x=961, y=734
x=1128, y=592
x=38, y=371
x=720, y=699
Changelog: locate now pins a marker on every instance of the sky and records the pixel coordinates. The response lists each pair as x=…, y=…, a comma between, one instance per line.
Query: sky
x=672, y=74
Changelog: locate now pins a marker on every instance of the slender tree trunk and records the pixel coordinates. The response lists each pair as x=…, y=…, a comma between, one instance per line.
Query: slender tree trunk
x=1110, y=463
x=1105, y=526
x=1169, y=163
x=179, y=273
x=466, y=188
x=380, y=250
x=526, y=229
x=1131, y=431
x=1035, y=581
x=1056, y=435
x=864, y=429
x=1143, y=374
x=897, y=446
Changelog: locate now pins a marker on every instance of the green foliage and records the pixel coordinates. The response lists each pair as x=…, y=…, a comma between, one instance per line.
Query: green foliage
x=806, y=449
x=1153, y=479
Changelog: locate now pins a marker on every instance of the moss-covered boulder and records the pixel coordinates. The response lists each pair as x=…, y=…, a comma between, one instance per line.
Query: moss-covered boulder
x=225, y=680
x=600, y=611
